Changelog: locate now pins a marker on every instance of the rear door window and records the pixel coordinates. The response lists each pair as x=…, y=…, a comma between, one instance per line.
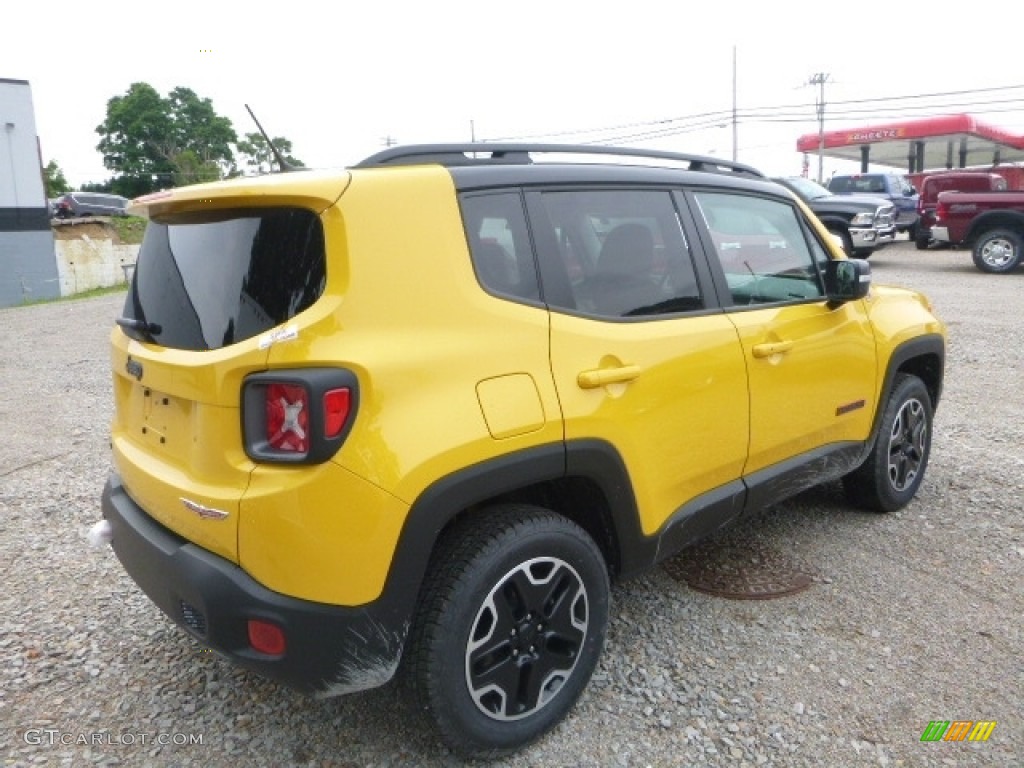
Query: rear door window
x=623, y=253
x=209, y=280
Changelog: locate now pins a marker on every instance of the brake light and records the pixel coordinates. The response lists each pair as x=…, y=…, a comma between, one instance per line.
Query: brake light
x=941, y=209
x=287, y=418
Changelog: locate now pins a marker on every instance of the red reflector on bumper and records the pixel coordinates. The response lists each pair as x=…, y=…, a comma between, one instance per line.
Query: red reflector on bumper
x=266, y=637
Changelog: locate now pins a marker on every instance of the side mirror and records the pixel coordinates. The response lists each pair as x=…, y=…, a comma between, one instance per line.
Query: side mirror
x=847, y=280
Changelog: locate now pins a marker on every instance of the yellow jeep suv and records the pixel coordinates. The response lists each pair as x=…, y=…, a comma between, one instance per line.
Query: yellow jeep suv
x=414, y=416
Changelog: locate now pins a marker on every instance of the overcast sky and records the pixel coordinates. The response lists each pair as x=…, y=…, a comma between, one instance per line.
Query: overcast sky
x=338, y=78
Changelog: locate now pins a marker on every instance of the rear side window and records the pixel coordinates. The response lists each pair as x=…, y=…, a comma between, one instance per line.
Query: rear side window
x=499, y=243
x=210, y=280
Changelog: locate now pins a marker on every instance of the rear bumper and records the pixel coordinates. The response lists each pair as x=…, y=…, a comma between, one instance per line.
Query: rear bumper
x=331, y=650
x=940, y=234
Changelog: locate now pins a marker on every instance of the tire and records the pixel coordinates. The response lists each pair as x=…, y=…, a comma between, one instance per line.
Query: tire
x=912, y=232
x=921, y=241
x=511, y=623
x=845, y=237
x=894, y=469
x=997, y=251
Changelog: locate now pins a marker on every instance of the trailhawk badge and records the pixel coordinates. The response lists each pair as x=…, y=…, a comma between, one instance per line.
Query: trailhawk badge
x=207, y=513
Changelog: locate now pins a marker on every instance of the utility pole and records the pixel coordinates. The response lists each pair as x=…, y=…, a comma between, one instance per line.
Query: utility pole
x=819, y=80
x=389, y=141
x=734, y=129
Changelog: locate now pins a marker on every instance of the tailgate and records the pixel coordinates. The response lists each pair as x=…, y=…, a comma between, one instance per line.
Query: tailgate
x=176, y=436
x=221, y=270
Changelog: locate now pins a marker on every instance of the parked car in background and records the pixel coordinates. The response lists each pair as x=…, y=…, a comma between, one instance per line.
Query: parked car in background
x=958, y=181
x=75, y=204
x=862, y=222
x=893, y=186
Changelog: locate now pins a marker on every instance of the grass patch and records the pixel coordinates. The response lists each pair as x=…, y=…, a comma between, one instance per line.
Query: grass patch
x=83, y=295
x=129, y=228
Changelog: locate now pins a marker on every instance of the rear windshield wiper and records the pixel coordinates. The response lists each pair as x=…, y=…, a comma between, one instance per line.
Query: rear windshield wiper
x=143, y=326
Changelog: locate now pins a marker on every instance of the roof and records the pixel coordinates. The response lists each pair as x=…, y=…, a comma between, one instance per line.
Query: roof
x=943, y=139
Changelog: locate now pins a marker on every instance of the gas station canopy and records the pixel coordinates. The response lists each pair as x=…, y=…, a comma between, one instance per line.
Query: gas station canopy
x=952, y=141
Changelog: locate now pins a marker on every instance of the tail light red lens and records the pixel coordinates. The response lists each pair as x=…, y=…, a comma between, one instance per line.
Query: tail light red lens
x=287, y=417
x=336, y=406
x=298, y=416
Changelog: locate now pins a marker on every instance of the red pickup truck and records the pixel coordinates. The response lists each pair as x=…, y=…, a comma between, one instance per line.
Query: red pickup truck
x=990, y=223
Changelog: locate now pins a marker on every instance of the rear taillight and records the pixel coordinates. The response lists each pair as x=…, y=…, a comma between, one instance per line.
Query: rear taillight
x=297, y=416
x=287, y=417
x=941, y=209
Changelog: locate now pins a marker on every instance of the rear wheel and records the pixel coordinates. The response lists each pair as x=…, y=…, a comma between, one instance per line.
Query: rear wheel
x=997, y=251
x=894, y=469
x=921, y=241
x=510, y=627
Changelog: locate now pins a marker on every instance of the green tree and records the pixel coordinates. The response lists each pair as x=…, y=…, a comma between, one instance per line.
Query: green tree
x=54, y=181
x=189, y=168
x=150, y=142
x=258, y=157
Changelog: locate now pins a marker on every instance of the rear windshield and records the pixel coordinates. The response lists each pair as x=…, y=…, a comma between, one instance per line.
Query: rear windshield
x=208, y=280
x=866, y=184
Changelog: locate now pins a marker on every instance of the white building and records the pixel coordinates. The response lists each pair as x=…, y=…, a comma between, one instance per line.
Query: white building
x=28, y=265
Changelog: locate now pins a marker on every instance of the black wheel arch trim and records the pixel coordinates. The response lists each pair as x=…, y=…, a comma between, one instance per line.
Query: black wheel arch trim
x=999, y=218
x=592, y=460
x=923, y=356
x=921, y=348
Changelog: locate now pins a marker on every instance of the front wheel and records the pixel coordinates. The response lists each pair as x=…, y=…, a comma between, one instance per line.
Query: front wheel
x=510, y=627
x=894, y=469
x=997, y=251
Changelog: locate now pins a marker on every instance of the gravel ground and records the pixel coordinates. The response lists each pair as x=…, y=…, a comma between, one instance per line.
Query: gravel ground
x=911, y=617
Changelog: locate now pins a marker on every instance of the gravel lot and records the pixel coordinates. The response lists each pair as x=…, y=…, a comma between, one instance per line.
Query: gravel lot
x=911, y=617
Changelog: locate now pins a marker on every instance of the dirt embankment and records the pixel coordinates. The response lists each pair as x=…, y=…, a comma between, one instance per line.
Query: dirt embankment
x=79, y=229
x=124, y=231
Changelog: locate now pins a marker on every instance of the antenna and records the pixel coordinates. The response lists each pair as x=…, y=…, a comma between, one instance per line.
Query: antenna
x=285, y=166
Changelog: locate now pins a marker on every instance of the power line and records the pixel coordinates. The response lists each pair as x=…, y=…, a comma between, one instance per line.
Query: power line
x=780, y=110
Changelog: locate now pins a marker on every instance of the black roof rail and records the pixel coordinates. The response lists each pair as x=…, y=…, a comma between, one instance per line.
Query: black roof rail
x=483, y=153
